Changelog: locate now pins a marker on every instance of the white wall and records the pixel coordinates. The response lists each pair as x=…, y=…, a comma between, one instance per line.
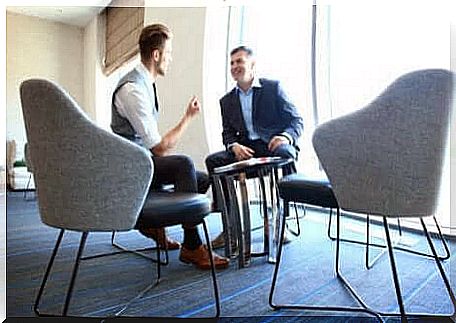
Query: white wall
x=185, y=76
x=215, y=69
x=96, y=96
x=91, y=67
x=42, y=49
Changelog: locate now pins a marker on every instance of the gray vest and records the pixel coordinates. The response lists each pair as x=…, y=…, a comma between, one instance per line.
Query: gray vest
x=121, y=125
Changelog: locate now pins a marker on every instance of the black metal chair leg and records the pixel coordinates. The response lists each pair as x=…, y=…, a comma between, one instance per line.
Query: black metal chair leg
x=27, y=186
x=122, y=249
x=309, y=307
x=297, y=233
x=350, y=240
x=289, y=169
x=400, y=301
x=336, y=265
x=419, y=253
x=158, y=262
x=46, y=274
x=138, y=296
x=369, y=265
x=367, y=241
x=148, y=288
x=75, y=271
x=402, y=312
x=279, y=257
x=329, y=225
x=442, y=240
x=153, y=285
x=138, y=252
x=441, y=269
x=214, y=277
x=339, y=275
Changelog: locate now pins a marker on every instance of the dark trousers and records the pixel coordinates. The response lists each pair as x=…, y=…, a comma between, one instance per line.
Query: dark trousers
x=178, y=170
x=225, y=157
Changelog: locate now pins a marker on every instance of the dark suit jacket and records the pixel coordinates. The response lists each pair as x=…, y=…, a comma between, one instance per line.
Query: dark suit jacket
x=272, y=111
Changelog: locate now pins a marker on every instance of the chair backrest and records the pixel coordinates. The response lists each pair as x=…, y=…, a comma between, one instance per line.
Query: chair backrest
x=87, y=178
x=386, y=158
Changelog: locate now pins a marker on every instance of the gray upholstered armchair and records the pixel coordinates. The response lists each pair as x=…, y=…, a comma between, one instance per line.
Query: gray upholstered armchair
x=385, y=160
x=90, y=180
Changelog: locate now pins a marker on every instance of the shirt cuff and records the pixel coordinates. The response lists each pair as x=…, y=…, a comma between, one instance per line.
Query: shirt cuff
x=229, y=146
x=286, y=135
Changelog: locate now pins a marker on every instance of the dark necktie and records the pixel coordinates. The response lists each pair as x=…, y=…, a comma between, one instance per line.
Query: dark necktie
x=155, y=96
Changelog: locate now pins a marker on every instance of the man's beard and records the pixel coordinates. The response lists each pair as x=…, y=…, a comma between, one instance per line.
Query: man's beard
x=160, y=70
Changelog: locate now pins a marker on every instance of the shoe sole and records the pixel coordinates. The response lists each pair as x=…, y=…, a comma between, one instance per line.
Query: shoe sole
x=204, y=267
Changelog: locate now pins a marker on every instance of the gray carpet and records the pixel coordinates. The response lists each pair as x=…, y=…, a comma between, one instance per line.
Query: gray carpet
x=306, y=275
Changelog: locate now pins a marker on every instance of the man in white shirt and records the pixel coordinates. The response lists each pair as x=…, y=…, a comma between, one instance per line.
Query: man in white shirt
x=135, y=117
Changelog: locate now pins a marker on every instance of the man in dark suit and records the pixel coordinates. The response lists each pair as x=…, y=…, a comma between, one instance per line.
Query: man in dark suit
x=258, y=119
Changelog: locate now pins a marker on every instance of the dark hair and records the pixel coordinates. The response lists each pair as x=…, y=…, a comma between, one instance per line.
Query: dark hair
x=153, y=37
x=243, y=48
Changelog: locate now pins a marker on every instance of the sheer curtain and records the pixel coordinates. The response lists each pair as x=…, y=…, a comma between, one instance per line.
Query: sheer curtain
x=369, y=46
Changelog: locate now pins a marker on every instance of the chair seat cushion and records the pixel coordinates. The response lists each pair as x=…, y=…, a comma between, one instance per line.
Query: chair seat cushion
x=165, y=209
x=303, y=189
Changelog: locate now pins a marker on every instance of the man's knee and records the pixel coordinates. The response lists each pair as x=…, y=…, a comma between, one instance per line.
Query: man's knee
x=182, y=163
x=286, y=151
x=218, y=159
x=184, y=160
x=203, y=181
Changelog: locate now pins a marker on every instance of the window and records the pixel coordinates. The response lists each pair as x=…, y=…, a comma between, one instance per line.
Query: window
x=359, y=51
x=369, y=46
x=281, y=45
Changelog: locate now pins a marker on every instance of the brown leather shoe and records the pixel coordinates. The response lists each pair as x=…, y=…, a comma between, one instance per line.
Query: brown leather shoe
x=200, y=258
x=159, y=236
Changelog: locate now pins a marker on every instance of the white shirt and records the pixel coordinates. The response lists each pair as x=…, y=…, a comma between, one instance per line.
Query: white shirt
x=135, y=105
x=246, y=100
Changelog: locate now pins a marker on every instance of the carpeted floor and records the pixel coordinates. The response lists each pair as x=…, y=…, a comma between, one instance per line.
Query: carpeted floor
x=306, y=275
